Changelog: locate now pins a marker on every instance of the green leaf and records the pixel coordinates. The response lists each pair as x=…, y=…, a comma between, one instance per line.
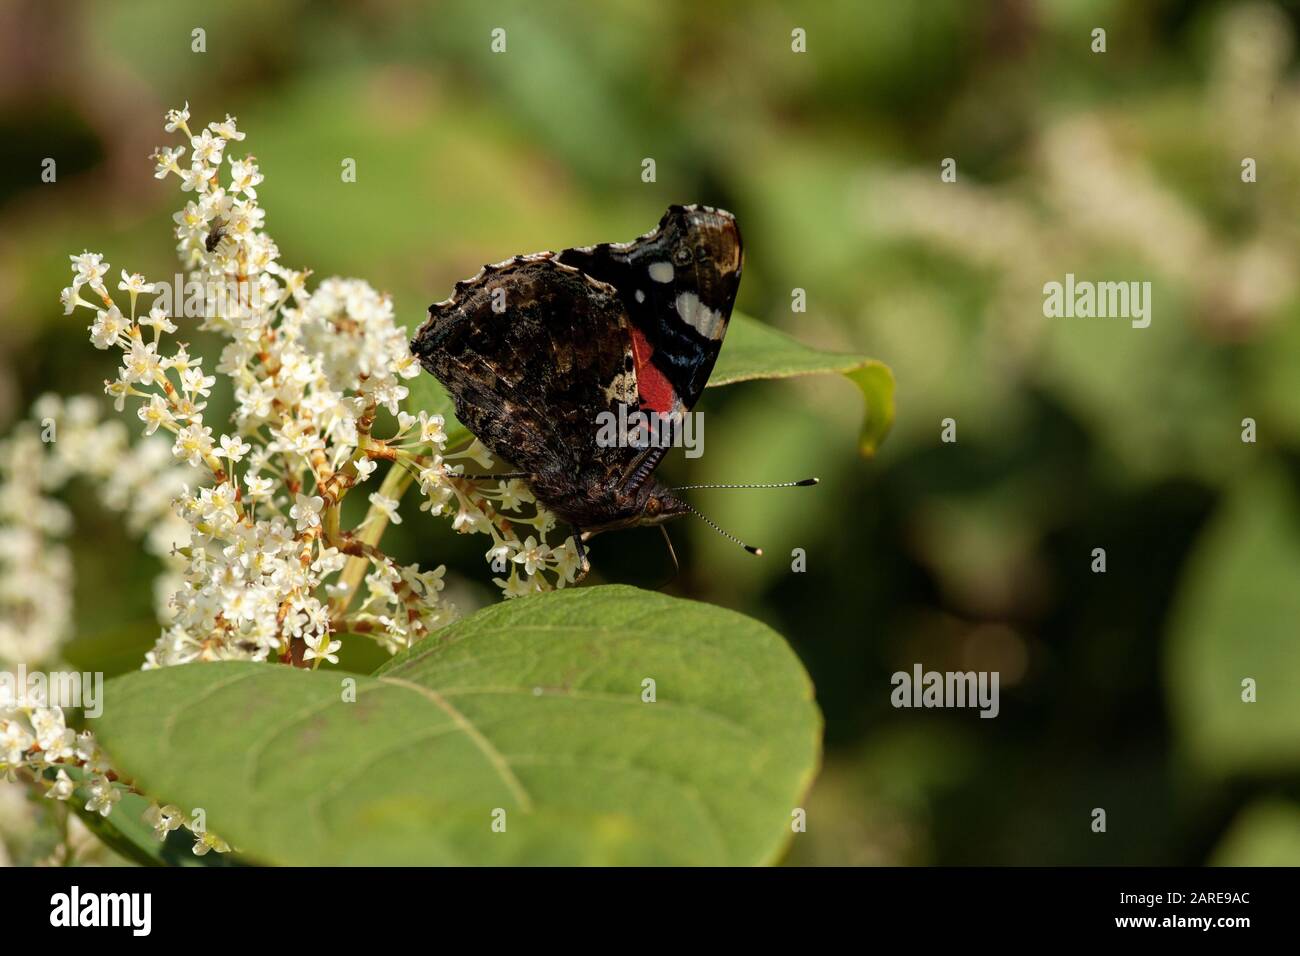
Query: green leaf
x=1235, y=619
x=532, y=706
x=750, y=351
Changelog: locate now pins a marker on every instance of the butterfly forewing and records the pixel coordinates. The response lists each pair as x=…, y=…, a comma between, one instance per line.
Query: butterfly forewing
x=678, y=284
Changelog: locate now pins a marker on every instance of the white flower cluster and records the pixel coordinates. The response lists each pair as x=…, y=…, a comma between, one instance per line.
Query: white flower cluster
x=267, y=568
x=247, y=519
x=63, y=441
x=166, y=819
x=34, y=738
x=269, y=571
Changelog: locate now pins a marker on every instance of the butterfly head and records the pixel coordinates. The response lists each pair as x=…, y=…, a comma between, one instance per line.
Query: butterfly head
x=658, y=504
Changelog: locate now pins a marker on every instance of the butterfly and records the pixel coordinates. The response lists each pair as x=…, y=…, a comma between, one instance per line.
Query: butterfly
x=534, y=349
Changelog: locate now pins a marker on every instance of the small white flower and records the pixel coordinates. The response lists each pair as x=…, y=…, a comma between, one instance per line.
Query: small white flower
x=203, y=842
x=191, y=222
x=90, y=269
x=196, y=383
x=566, y=561
x=234, y=448
x=431, y=429
x=503, y=552
x=244, y=176
x=166, y=159
x=108, y=325
x=62, y=788
x=70, y=298
x=134, y=283
x=164, y=819
x=386, y=505
x=119, y=390
x=176, y=119
x=158, y=320
x=227, y=129
x=468, y=519
x=14, y=741
x=478, y=452
x=532, y=556
x=207, y=149
x=319, y=647
x=328, y=561
x=258, y=487
x=545, y=521
x=142, y=364
x=515, y=586
x=102, y=796
x=155, y=414
x=514, y=493
x=306, y=511
x=198, y=178
x=193, y=444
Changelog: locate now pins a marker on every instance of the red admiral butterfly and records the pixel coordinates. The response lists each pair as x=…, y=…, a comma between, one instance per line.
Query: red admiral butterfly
x=533, y=349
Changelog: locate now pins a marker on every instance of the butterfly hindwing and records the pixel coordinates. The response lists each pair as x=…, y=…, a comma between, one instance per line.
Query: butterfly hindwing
x=532, y=351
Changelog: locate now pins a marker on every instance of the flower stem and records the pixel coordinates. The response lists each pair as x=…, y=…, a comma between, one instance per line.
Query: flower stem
x=372, y=528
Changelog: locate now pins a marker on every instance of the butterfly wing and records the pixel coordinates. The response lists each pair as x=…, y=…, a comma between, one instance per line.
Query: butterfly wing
x=532, y=351
x=678, y=284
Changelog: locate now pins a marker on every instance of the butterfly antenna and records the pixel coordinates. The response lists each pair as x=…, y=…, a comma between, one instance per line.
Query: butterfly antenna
x=804, y=483
x=714, y=525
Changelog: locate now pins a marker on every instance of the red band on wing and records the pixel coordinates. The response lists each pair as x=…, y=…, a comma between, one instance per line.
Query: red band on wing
x=656, y=393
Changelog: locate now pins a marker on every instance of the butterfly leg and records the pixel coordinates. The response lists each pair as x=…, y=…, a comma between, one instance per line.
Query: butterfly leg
x=579, y=539
x=672, y=553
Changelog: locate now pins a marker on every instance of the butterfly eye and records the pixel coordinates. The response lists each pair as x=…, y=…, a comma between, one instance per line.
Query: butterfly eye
x=682, y=256
x=702, y=254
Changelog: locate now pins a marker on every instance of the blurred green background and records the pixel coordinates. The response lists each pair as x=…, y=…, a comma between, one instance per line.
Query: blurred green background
x=1119, y=690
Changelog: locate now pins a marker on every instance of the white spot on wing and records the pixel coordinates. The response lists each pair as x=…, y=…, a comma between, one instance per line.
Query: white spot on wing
x=699, y=316
x=661, y=271
x=640, y=296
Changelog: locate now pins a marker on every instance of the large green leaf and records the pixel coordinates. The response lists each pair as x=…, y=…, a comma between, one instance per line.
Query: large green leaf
x=1235, y=619
x=753, y=350
x=533, y=706
x=750, y=351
